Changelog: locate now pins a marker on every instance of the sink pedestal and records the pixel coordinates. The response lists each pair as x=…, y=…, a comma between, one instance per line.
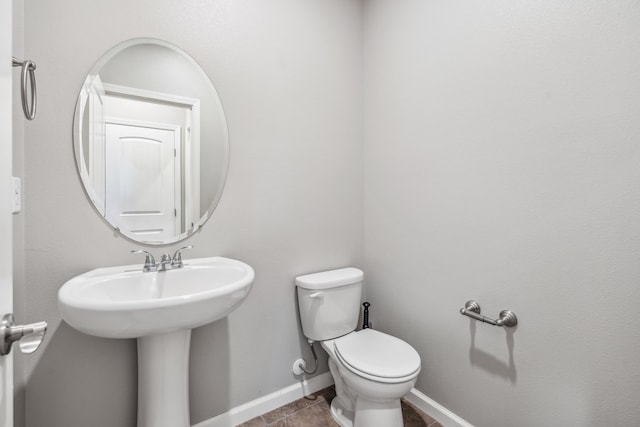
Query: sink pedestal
x=163, y=379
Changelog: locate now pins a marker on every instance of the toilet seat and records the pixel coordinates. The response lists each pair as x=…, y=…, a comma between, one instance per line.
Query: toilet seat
x=377, y=356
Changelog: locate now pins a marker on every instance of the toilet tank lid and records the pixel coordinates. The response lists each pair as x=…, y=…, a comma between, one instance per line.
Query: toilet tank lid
x=330, y=279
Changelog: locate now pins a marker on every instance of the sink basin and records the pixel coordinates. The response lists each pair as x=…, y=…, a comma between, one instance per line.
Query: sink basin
x=159, y=309
x=124, y=302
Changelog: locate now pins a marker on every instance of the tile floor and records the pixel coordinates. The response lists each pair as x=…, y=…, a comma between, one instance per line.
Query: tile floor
x=314, y=411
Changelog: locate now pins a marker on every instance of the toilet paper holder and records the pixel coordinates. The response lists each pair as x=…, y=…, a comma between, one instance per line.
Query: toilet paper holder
x=506, y=317
x=29, y=337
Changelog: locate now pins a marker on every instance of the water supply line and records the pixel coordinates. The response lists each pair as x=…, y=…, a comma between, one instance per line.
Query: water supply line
x=300, y=365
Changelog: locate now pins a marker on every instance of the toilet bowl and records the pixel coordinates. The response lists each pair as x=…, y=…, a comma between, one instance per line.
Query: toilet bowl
x=371, y=370
x=375, y=370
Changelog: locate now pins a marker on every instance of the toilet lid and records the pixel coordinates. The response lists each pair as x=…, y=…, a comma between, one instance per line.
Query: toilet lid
x=377, y=354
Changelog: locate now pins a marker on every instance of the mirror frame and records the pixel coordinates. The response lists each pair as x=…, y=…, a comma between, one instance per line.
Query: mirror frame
x=77, y=140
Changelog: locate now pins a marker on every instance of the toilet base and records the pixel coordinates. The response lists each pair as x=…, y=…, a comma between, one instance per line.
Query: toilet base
x=377, y=414
x=369, y=414
x=338, y=414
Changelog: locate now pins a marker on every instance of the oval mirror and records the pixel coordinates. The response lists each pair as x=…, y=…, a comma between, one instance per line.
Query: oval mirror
x=151, y=141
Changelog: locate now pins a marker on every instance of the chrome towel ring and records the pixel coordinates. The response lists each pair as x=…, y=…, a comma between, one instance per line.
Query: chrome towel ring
x=28, y=67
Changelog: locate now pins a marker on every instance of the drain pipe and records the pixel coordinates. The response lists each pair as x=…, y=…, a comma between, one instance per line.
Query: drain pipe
x=300, y=365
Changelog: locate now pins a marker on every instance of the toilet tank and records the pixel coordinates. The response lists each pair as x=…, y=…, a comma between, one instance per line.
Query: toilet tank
x=329, y=302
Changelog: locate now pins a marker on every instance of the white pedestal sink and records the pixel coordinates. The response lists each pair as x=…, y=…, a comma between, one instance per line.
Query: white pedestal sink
x=159, y=309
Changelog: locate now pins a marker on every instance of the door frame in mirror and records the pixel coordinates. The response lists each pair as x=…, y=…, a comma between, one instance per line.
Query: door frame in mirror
x=193, y=218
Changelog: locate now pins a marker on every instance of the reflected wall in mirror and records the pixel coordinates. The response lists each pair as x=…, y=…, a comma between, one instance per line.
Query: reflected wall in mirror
x=151, y=141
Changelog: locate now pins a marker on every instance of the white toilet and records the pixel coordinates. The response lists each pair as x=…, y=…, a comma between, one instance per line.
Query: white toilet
x=372, y=370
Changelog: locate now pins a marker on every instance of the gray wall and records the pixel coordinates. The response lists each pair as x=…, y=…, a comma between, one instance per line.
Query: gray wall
x=502, y=164
x=289, y=75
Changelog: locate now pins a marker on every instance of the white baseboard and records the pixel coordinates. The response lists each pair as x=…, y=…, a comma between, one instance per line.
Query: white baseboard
x=264, y=404
x=267, y=403
x=436, y=410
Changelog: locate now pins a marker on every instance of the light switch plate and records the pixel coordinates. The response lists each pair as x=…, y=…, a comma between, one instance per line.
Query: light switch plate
x=17, y=195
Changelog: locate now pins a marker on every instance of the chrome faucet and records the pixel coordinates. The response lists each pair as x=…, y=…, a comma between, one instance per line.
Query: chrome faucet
x=167, y=262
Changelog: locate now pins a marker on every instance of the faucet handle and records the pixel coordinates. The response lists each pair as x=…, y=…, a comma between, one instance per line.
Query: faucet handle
x=149, y=261
x=176, y=261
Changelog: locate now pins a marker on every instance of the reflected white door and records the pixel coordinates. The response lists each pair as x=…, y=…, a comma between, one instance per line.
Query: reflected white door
x=6, y=275
x=141, y=169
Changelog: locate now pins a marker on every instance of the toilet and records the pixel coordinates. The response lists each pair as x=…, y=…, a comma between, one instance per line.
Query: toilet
x=371, y=370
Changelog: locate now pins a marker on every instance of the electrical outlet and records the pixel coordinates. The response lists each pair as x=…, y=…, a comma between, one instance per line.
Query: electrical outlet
x=16, y=195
